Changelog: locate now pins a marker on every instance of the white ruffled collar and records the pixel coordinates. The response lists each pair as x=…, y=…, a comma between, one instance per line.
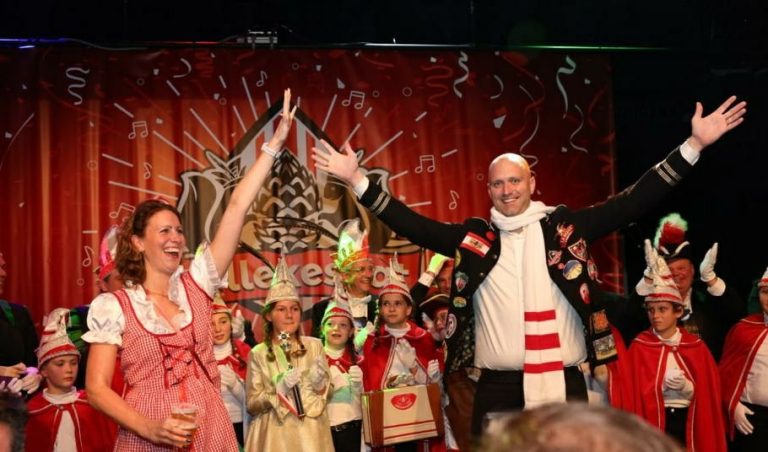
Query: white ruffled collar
x=672, y=340
x=61, y=399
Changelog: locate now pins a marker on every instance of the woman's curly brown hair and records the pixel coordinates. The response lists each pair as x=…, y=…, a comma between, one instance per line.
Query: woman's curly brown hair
x=129, y=261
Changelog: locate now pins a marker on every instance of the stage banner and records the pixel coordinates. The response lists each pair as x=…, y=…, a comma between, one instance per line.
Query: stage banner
x=89, y=133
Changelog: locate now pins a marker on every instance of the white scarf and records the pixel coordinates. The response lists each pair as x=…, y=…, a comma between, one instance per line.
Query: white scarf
x=359, y=306
x=543, y=376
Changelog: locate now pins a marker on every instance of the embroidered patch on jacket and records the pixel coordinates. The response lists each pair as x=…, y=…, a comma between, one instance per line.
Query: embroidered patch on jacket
x=579, y=249
x=572, y=270
x=476, y=244
x=584, y=293
x=599, y=322
x=605, y=347
x=461, y=281
x=592, y=269
x=459, y=302
x=450, y=326
x=553, y=257
x=564, y=233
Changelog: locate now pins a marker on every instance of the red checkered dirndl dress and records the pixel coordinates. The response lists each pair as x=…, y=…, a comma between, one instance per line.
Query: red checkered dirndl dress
x=161, y=369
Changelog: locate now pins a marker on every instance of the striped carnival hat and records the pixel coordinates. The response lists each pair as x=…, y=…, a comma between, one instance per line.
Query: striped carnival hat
x=339, y=306
x=352, y=247
x=395, y=283
x=283, y=286
x=54, y=341
x=664, y=287
x=219, y=306
x=764, y=280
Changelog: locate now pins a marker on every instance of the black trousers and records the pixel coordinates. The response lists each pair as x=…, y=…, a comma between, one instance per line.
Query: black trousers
x=502, y=391
x=239, y=433
x=758, y=439
x=346, y=436
x=675, y=420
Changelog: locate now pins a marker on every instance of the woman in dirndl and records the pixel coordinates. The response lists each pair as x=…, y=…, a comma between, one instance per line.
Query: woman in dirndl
x=160, y=324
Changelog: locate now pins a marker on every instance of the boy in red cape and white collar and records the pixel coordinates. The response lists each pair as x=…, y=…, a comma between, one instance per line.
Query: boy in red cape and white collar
x=397, y=352
x=744, y=377
x=60, y=417
x=674, y=377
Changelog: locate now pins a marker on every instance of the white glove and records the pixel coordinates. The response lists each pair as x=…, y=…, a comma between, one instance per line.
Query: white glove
x=287, y=380
x=14, y=386
x=355, y=375
x=433, y=371
x=675, y=380
x=228, y=377
x=31, y=380
x=318, y=374
x=740, y=419
x=340, y=381
x=707, y=266
x=238, y=325
x=405, y=353
x=362, y=335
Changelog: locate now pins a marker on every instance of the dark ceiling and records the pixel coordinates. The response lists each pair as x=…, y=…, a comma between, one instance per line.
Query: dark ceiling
x=722, y=27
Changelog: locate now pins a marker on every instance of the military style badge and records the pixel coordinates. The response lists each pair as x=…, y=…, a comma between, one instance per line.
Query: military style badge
x=476, y=244
x=599, y=322
x=572, y=270
x=579, y=249
x=592, y=270
x=564, y=233
x=553, y=257
x=461, y=279
x=605, y=347
x=460, y=302
x=584, y=293
x=450, y=325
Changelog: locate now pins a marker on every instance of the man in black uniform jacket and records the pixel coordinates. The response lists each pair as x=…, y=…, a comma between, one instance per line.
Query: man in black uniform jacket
x=521, y=308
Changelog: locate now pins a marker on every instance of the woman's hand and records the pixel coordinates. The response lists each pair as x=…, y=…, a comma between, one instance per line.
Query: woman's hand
x=169, y=431
x=284, y=127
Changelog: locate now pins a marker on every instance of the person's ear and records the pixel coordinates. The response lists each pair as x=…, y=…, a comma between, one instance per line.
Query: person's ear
x=138, y=243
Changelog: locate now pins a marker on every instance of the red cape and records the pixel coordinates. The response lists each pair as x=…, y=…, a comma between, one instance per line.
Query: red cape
x=94, y=432
x=240, y=366
x=739, y=351
x=648, y=360
x=619, y=371
x=378, y=359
